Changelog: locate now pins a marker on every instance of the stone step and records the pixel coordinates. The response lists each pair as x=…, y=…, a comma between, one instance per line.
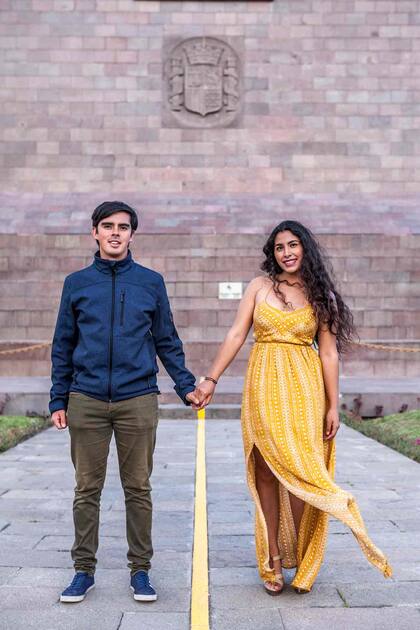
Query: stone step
x=372, y=396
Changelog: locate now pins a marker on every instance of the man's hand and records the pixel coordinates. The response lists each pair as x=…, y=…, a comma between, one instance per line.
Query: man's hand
x=195, y=398
x=332, y=423
x=59, y=419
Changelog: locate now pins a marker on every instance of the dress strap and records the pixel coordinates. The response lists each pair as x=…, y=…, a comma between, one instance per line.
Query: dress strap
x=267, y=294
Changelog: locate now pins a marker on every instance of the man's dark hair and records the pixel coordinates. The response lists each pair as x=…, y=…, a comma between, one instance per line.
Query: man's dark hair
x=107, y=208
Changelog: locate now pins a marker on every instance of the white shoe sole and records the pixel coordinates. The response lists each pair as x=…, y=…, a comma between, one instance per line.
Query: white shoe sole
x=144, y=598
x=73, y=599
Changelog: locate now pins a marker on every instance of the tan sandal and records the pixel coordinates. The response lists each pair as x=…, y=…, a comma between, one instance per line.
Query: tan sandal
x=278, y=579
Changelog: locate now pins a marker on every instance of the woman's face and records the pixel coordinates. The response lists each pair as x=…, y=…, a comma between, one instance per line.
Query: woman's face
x=288, y=252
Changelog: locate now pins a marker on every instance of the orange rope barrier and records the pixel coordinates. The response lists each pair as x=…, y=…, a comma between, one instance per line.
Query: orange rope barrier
x=378, y=346
x=373, y=346
x=26, y=348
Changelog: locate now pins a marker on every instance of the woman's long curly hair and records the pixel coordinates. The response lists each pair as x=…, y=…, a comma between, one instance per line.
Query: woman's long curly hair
x=318, y=282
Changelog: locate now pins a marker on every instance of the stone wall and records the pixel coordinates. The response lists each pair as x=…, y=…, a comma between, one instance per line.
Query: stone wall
x=379, y=276
x=329, y=97
x=325, y=130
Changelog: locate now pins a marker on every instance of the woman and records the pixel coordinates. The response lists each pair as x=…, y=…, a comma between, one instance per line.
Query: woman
x=290, y=407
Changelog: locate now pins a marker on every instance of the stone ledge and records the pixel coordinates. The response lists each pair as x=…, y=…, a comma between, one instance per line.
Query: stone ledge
x=31, y=394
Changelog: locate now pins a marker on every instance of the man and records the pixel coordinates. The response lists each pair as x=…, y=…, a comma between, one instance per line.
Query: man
x=114, y=319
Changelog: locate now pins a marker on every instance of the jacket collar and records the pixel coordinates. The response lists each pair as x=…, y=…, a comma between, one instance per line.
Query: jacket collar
x=106, y=266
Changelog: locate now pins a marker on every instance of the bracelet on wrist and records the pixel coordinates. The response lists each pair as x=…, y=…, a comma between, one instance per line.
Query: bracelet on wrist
x=209, y=378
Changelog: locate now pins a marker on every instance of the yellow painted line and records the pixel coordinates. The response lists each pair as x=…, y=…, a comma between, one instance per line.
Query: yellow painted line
x=200, y=566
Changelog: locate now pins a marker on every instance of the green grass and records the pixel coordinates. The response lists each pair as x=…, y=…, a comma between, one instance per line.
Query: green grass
x=400, y=431
x=15, y=429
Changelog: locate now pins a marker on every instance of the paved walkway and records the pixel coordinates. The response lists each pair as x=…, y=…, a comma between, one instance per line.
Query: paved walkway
x=36, y=487
x=349, y=593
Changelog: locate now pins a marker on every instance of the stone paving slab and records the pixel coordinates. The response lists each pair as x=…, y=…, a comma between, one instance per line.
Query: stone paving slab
x=238, y=541
x=40, y=559
x=337, y=527
x=220, y=516
x=242, y=528
x=31, y=598
x=380, y=594
x=62, y=618
x=155, y=621
x=397, y=557
x=351, y=619
x=228, y=576
x=19, y=542
x=7, y=574
x=247, y=619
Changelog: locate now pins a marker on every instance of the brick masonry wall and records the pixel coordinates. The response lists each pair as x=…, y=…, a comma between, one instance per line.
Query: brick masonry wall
x=329, y=135
x=331, y=98
x=378, y=275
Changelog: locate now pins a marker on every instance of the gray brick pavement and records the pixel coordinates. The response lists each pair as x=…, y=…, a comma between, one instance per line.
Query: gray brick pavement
x=349, y=592
x=36, y=534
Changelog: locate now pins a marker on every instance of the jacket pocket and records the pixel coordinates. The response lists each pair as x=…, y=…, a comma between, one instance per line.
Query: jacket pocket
x=122, y=305
x=150, y=342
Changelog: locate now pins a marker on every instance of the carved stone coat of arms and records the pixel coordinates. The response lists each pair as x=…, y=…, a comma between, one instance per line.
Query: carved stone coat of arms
x=202, y=83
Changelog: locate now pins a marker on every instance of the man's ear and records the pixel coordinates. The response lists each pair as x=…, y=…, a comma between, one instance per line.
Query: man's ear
x=94, y=232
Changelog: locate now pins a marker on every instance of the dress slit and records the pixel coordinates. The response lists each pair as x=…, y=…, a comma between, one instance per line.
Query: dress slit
x=287, y=537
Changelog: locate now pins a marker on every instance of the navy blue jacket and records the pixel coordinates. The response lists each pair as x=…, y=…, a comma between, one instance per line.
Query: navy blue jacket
x=114, y=319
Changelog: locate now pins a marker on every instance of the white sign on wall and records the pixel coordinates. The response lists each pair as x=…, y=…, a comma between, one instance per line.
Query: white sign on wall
x=230, y=290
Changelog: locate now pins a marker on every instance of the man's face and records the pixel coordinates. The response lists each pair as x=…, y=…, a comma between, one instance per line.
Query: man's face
x=114, y=236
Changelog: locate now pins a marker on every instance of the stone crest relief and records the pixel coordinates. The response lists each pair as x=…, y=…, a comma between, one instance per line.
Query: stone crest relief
x=202, y=84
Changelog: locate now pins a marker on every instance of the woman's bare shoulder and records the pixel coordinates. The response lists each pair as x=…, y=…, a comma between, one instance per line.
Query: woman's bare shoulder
x=257, y=284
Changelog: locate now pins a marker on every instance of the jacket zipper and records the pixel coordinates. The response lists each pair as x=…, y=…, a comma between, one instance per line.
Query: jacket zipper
x=111, y=339
x=122, y=307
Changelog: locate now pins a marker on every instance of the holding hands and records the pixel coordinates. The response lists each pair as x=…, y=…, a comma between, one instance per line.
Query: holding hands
x=202, y=394
x=207, y=388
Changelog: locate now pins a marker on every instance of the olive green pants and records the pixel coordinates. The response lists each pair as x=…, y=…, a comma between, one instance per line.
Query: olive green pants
x=91, y=424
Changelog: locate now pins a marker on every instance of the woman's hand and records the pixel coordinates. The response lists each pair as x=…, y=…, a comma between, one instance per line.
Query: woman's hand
x=206, y=388
x=332, y=424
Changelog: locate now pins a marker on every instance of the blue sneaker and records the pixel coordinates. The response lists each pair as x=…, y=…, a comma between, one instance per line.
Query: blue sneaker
x=141, y=587
x=81, y=584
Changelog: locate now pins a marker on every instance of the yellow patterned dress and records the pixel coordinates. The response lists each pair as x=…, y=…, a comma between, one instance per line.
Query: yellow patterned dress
x=283, y=412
